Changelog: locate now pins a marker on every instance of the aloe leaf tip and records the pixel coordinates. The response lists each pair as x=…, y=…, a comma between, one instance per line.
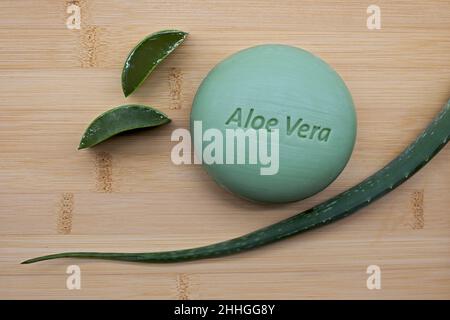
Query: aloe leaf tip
x=146, y=55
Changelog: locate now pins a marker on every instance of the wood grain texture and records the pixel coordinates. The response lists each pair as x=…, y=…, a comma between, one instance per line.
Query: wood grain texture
x=126, y=195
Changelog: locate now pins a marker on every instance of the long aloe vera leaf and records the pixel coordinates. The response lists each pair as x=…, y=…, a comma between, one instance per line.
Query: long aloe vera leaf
x=414, y=157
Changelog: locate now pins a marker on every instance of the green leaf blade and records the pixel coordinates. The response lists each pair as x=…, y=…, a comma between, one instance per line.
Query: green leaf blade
x=121, y=119
x=396, y=172
x=146, y=55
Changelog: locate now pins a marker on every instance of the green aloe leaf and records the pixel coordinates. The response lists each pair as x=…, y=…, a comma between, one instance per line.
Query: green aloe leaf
x=414, y=157
x=121, y=119
x=144, y=58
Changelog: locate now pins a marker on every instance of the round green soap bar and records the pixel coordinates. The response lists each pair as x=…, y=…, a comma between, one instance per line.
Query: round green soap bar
x=273, y=123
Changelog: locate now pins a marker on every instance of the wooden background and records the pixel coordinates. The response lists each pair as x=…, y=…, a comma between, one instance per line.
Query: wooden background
x=126, y=195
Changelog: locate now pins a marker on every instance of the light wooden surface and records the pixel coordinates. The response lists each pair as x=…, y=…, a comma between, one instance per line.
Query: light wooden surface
x=126, y=195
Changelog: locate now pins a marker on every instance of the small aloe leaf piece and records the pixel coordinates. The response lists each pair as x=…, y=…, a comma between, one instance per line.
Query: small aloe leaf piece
x=121, y=119
x=414, y=157
x=144, y=58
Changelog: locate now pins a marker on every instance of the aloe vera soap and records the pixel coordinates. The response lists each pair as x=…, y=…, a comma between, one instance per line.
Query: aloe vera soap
x=273, y=123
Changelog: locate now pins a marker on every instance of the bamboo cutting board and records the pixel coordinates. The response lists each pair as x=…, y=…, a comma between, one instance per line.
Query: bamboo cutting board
x=127, y=195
